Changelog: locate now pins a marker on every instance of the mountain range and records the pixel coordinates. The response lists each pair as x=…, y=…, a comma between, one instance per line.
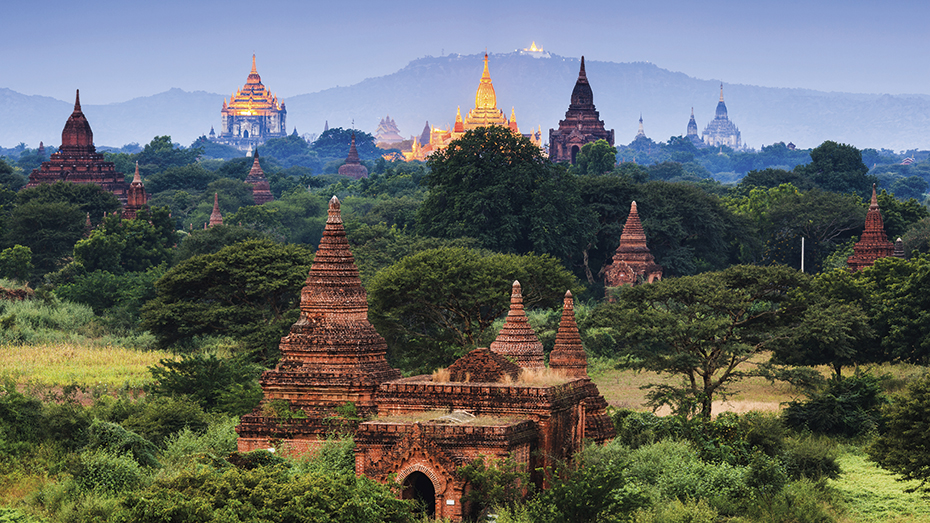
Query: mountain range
x=431, y=88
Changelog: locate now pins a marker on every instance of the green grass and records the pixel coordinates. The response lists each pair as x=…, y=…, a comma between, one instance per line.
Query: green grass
x=872, y=495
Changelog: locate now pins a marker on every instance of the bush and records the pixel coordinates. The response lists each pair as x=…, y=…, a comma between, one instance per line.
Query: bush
x=223, y=385
x=105, y=471
x=677, y=511
x=217, y=442
x=160, y=417
x=104, y=435
x=847, y=407
x=811, y=457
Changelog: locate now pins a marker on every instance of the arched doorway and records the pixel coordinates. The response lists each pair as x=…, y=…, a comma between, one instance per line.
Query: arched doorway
x=575, y=150
x=419, y=487
x=245, y=134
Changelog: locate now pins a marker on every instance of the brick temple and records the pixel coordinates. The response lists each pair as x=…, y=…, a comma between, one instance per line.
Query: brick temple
x=582, y=124
x=261, y=189
x=77, y=161
x=632, y=262
x=353, y=167
x=492, y=403
x=873, y=244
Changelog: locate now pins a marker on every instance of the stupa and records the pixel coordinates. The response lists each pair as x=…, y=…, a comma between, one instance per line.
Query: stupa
x=582, y=123
x=516, y=339
x=261, y=189
x=720, y=130
x=632, y=262
x=251, y=115
x=77, y=160
x=136, y=198
x=873, y=244
x=353, y=167
x=215, y=217
x=568, y=354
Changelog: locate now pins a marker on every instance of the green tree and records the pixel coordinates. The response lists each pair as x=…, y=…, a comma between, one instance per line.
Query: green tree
x=88, y=197
x=16, y=263
x=438, y=304
x=597, y=157
x=497, y=187
x=180, y=177
x=215, y=150
x=119, y=246
x=249, y=290
x=911, y=187
x=216, y=384
x=838, y=168
x=772, y=178
x=160, y=154
x=899, y=214
x=11, y=178
x=903, y=447
x=334, y=144
x=49, y=230
x=701, y=328
x=900, y=307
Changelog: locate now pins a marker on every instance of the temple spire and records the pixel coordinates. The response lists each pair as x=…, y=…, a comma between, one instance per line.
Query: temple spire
x=254, y=70
x=874, y=203
x=215, y=217
x=137, y=178
x=581, y=73
x=721, y=92
x=516, y=339
x=77, y=101
x=568, y=354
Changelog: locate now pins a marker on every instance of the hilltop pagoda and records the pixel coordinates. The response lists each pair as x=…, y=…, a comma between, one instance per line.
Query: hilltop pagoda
x=77, y=160
x=873, y=244
x=251, y=115
x=582, y=123
x=721, y=131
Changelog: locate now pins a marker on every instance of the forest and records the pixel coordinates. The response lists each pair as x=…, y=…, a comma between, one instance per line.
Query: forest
x=128, y=348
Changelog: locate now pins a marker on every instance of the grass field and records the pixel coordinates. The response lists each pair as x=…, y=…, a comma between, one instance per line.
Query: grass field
x=873, y=495
x=54, y=364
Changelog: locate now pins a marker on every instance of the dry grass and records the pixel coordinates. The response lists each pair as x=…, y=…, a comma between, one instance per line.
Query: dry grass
x=434, y=415
x=72, y=363
x=544, y=377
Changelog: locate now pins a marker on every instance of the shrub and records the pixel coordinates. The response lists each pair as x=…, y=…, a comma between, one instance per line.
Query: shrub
x=160, y=417
x=105, y=471
x=104, y=435
x=216, y=384
x=218, y=441
x=677, y=511
x=847, y=407
x=811, y=457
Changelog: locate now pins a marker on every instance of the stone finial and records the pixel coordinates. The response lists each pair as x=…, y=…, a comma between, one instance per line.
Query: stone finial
x=517, y=340
x=569, y=355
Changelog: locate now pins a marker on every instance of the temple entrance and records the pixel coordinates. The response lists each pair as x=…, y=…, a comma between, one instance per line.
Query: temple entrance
x=575, y=150
x=417, y=486
x=245, y=134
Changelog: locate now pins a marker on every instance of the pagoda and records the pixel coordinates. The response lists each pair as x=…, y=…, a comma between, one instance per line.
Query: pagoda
x=692, y=134
x=353, y=167
x=215, y=217
x=261, y=190
x=388, y=132
x=136, y=197
x=251, y=115
x=632, y=262
x=77, y=160
x=516, y=339
x=485, y=112
x=582, y=124
x=568, y=354
x=721, y=131
x=873, y=244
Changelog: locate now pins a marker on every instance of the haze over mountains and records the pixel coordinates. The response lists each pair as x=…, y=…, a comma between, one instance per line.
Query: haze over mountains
x=430, y=89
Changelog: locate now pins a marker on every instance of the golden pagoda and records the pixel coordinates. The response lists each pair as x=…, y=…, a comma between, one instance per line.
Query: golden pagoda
x=251, y=115
x=485, y=112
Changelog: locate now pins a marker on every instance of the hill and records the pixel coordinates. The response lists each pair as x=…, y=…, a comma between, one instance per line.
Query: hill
x=430, y=88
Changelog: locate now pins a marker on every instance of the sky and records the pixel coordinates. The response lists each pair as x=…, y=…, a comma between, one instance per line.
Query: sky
x=116, y=50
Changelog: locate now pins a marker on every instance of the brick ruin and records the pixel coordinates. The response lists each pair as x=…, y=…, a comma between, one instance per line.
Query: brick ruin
x=261, y=189
x=873, y=244
x=421, y=429
x=632, y=262
x=582, y=124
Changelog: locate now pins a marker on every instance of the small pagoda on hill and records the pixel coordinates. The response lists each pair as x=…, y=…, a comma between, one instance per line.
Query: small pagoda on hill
x=632, y=262
x=873, y=244
x=77, y=160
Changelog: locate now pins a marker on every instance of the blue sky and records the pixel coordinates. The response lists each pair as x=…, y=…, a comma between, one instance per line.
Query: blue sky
x=117, y=50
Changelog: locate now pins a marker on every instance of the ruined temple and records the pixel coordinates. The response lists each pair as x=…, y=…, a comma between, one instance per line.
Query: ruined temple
x=873, y=244
x=251, y=115
x=136, y=197
x=261, y=189
x=582, y=124
x=216, y=218
x=77, y=160
x=420, y=430
x=353, y=167
x=632, y=262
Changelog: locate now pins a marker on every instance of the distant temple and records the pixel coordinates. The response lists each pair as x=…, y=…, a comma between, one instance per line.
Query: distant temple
x=136, y=198
x=77, y=160
x=641, y=132
x=873, y=244
x=632, y=262
x=353, y=167
x=261, y=189
x=420, y=430
x=693, y=132
x=582, y=124
x=251, y=116
x=720, y=130
x=216, y=218
x=535, y=52
x=388, y=132
x=484, y=114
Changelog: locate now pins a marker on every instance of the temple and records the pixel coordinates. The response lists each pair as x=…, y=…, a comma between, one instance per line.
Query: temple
x=251, y=116
x=692, y=134
x=582, y=124
x=387, y=132
x=873, y=244
x=216, y=218
x=353, y=167
x=77, y=160
x=484, y=114
x=720, y=130
x=632, y=262
x=418, y=431
x=261, y=189
x=136, y=198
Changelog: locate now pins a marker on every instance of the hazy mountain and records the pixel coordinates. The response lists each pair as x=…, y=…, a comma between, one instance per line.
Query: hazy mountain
x=430, y=89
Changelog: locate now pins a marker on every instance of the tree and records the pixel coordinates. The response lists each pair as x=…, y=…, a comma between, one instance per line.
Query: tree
x=160, y=154
x=216, y=384
x=911, y=187
x=597, y=157
x=436, y=305
x=334, y=144
x=903, y=447
x=49, y=230
x=180, y=177
x=249, y=290
x=119, y=246
x=838, y=168
x=215, y=150
x=701, y=328
x=899, y=214
x=10, y=178
x=16, y=263
x=900, y=307
x=497, y=187
x=772, y=178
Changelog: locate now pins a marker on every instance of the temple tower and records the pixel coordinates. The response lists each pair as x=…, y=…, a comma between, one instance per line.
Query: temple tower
x=261, y=189
x=252, y=115
x=77, y=160
x=720, y=130
x=485, y=112
x=632, y=261
x=136, y=198
x=215, y=217
x=517, y=340
x=582, y=124
x=353, y=167
x=569, y=355
x=873, y=244
x=641, y=132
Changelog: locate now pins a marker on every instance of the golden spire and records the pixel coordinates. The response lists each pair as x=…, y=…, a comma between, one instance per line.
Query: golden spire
x=721, y=91
x=485, y=98
x=254, y=71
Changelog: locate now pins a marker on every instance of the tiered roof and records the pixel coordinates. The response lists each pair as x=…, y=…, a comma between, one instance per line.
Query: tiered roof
x=632, y=259
x=261, y=189
x=517, y=340
x=253, y=98
x=485, y=112
x=569, y=355
x=873, y=244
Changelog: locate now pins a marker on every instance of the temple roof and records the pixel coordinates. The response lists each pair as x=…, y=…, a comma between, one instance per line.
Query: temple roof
x=568, y=354
x=77, y=132
x=721, y=107
x=485, y=97
x=582, y=95
x=253, y=98
x=353, y=167
x=517, y=340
